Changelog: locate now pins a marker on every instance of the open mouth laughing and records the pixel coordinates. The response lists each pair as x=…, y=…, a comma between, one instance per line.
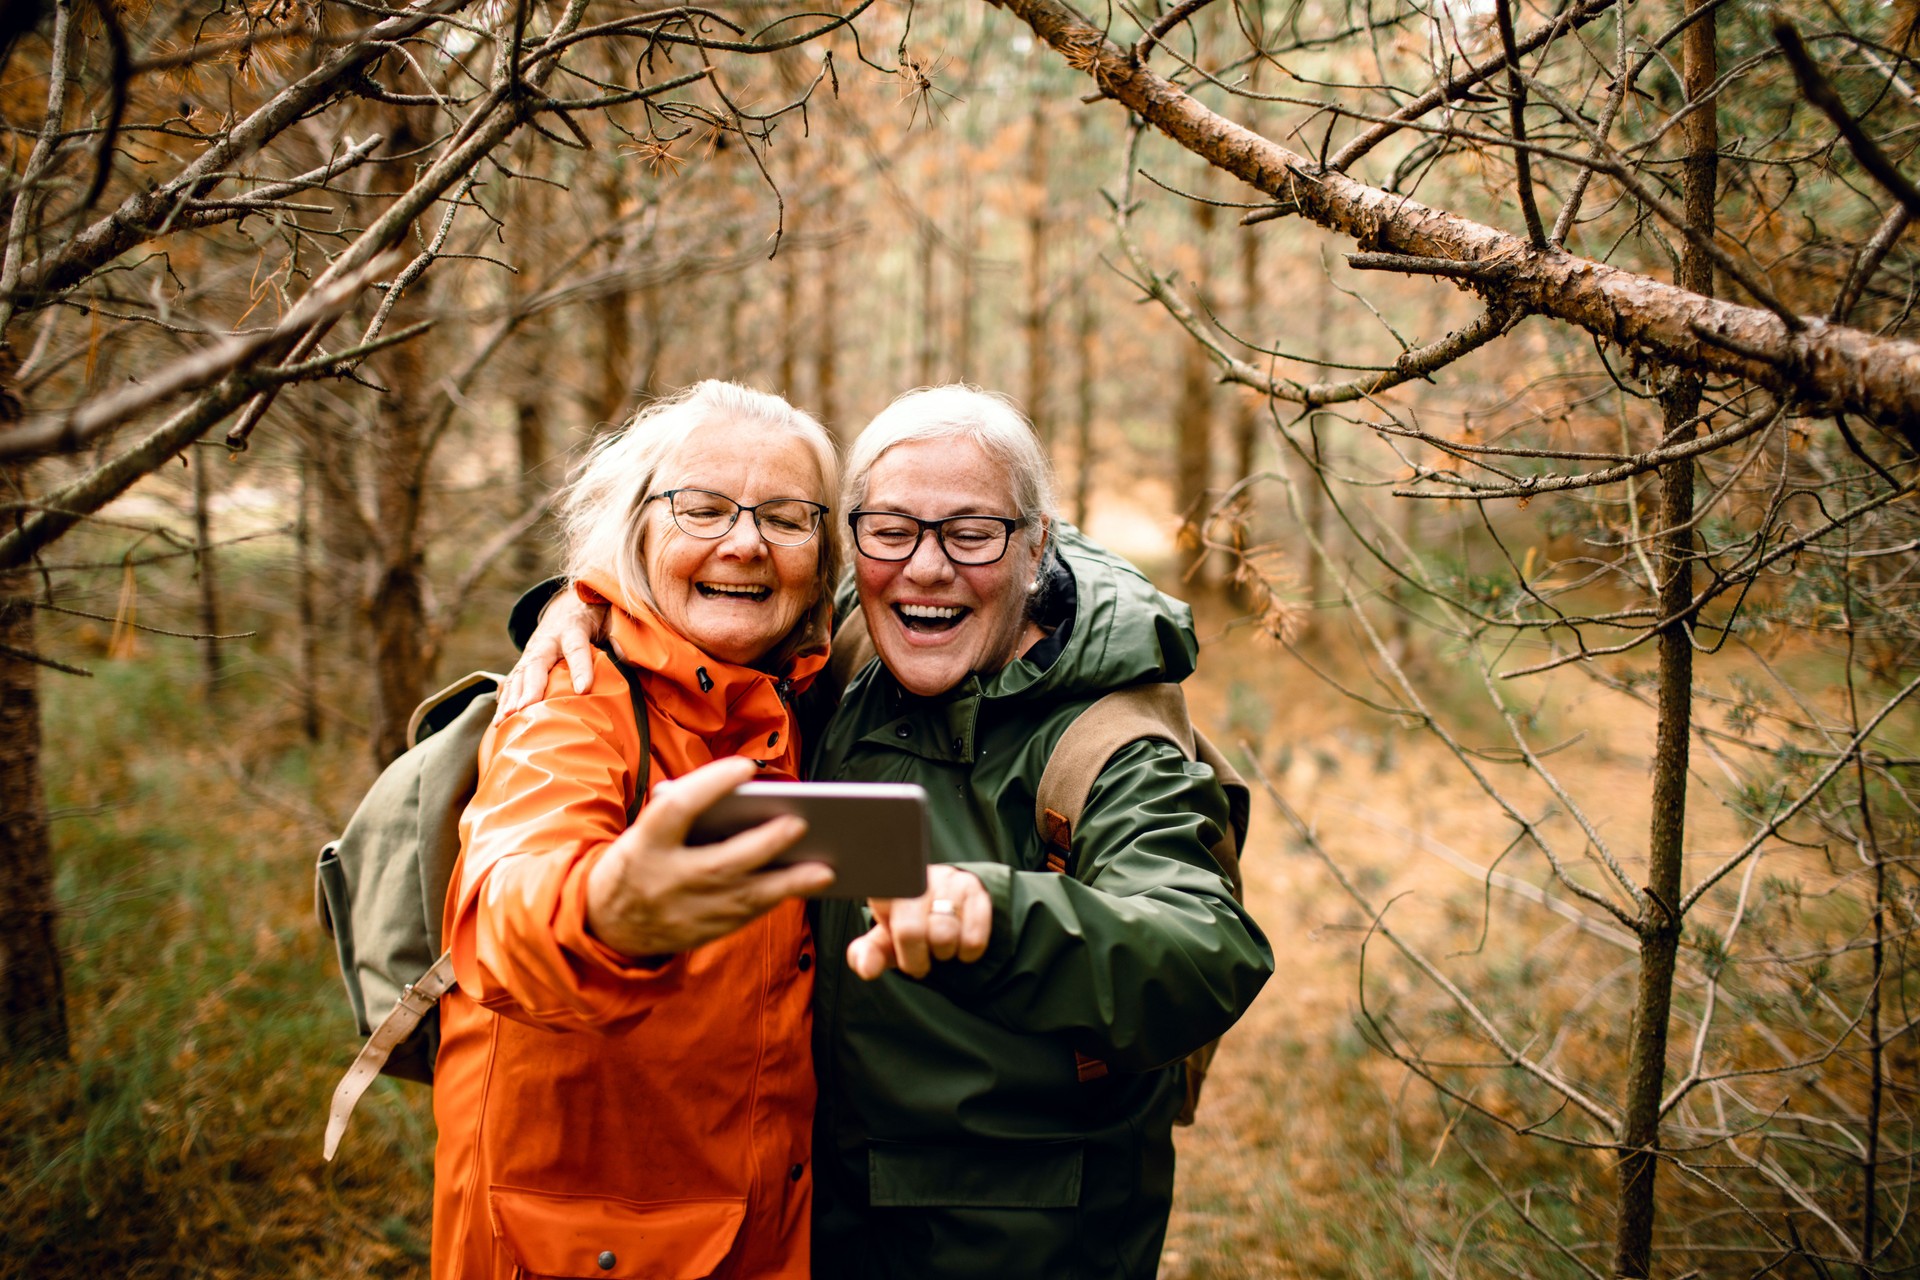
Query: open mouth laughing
x=930, y=617
x=732, y=591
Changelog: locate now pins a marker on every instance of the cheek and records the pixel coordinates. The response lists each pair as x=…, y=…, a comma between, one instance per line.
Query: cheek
x=872, y=576
x=1001, y=600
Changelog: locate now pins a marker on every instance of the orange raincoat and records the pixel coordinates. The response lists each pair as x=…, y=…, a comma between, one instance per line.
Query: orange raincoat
x=598, y=1116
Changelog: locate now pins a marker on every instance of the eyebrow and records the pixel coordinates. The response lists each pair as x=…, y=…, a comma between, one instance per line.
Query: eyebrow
x=948, y=515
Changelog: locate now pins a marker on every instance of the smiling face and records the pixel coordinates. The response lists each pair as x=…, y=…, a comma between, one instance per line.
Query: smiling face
x=933, y=621
x=736, y=596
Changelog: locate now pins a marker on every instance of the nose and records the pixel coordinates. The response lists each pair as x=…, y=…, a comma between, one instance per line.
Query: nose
x=929, y=563
x=743, y=541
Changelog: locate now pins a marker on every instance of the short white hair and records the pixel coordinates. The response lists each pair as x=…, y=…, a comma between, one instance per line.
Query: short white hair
x=958, y=411
x=602, y=508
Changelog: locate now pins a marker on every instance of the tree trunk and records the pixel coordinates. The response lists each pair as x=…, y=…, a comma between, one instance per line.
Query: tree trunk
x=1316, y=513
x=1246, y=407
x=789, y=323
x=1085, y=383
x=33, y=1004
x=1039, y=355
x=968, y=283
x=653, y=382
x=923, y=362
x=530, y=441
x=309, y=621
x=826, y=349
x=396, y=609
x=613, y=320
x=1660, y=925
x=205, y=567
x=1193, y=415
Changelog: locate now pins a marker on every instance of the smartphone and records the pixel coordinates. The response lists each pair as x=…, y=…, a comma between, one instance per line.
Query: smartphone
x=873, y=834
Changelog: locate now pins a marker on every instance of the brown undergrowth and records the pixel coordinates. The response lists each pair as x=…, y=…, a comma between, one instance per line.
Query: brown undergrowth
x=183, y=1138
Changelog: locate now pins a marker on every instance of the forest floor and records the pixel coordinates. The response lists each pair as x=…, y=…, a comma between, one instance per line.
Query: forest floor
x=184, y=1138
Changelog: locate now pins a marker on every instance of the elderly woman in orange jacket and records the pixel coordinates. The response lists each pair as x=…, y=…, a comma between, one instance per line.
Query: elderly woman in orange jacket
x=623, y=1086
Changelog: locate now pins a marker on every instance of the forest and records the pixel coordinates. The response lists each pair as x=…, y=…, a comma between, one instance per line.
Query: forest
x=1525, y=394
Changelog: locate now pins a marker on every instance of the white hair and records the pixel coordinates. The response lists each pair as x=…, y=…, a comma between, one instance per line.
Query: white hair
x=602, y=509
x=958, y=411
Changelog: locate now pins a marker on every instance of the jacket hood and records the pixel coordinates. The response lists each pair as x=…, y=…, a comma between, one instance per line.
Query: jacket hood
x=1125, y=631
x=734, y=710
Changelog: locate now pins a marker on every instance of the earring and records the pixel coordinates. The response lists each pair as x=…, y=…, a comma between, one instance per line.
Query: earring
x=1033, y=586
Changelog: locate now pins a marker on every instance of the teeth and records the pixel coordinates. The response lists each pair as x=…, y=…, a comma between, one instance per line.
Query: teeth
x=732, y=589
x=939, y=612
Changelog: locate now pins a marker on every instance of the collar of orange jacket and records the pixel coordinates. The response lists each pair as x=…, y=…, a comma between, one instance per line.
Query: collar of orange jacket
x=732, y=710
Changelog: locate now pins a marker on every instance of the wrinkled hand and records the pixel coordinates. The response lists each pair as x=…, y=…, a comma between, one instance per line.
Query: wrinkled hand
x=652, y=895
x=909, y=935
x=568, y=627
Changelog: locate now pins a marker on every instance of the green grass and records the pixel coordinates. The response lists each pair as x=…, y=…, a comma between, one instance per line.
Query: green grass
x=183, y=1137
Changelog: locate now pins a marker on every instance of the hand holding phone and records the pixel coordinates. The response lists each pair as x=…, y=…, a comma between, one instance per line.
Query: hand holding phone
x=650, y=894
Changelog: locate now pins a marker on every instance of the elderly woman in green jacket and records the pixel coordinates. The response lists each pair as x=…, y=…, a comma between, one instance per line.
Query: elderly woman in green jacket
x=999, y=1060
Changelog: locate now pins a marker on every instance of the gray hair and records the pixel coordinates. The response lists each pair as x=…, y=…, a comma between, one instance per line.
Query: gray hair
x=958, y=411
x=601, y=510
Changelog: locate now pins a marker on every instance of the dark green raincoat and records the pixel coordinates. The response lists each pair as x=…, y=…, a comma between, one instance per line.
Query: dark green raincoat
x=954, y=1136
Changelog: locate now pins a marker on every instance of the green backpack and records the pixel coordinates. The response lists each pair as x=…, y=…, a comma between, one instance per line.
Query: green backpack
x=381, y=888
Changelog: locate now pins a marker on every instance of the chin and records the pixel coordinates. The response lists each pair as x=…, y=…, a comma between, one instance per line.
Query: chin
x=925, y=679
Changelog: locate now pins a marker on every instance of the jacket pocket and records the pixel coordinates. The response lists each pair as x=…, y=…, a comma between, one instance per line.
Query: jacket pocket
x=1014, y=1175
x=553, y=1234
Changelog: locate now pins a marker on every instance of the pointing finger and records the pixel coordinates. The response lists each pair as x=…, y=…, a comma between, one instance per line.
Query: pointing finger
x=871, y=954
x=976, y=922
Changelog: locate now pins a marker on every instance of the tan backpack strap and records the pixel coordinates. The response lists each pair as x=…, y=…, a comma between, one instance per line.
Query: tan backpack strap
x=1122, y=717
x=408, y=1011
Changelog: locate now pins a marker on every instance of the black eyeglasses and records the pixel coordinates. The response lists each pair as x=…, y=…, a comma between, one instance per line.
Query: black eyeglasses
x=702, y=513
x=968, y=540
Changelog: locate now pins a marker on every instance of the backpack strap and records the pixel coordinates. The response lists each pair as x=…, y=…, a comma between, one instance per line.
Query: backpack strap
x=1120, y=719
x=631, y=674
x=420, y=998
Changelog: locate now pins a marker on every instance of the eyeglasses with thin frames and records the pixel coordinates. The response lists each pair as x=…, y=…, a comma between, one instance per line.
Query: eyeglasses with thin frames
x=702, y=513
x=894, y=536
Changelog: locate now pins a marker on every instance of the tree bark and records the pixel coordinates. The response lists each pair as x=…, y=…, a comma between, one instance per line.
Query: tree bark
x=1660, y=924
x=33, y=1005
